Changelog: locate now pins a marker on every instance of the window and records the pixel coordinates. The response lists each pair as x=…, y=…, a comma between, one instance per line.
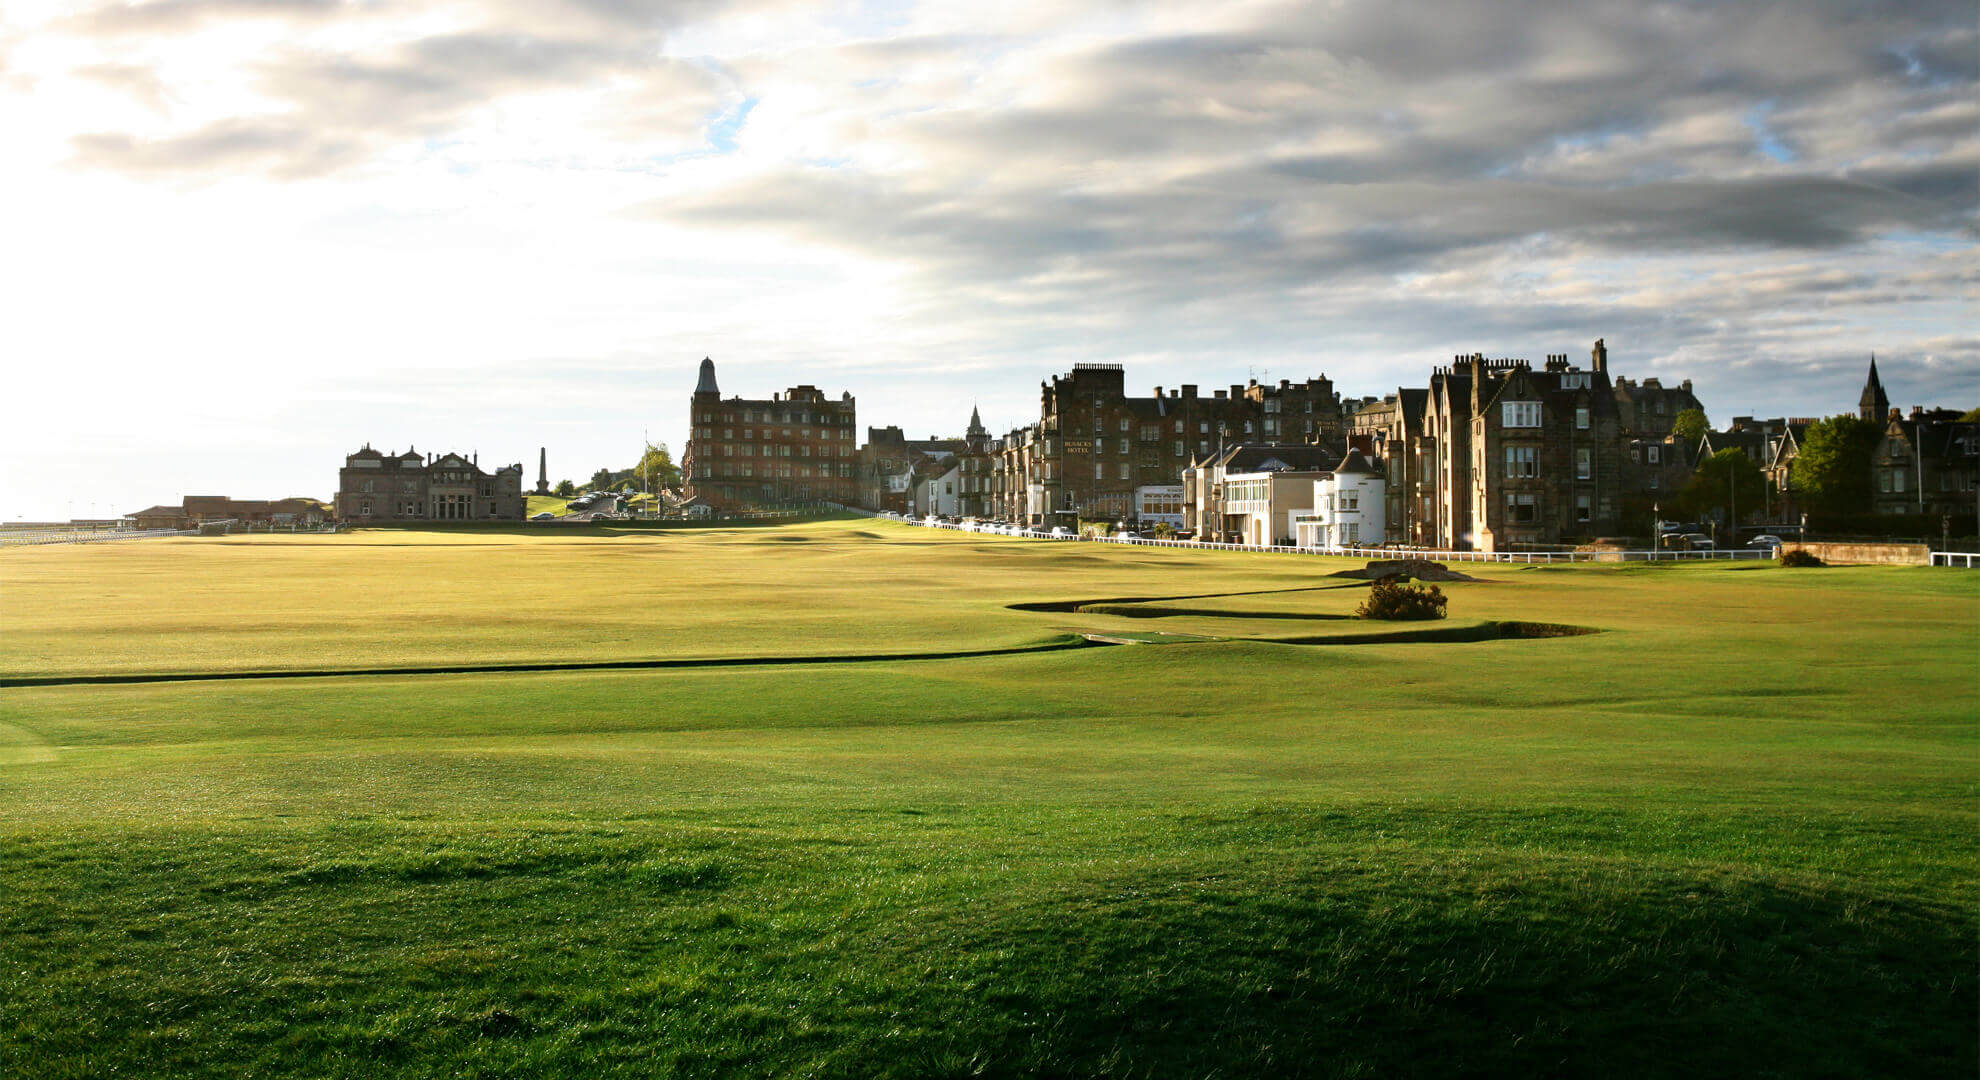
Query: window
x=1636, y=454
x=1351, y=533
x=1583, y=466
x=1350, y=500
x=1520, y=508
x=1653, y=453
x=1883, y=482
x=1203, y=428
x=1897, y=481
x=1123, y=471
x=1521, y=462
x=1520, y=414
x=1179, y=448
x=1574, y=380
x=1581, y=417
x=1583, y=507
x=1099, y=471
x=1124, y=423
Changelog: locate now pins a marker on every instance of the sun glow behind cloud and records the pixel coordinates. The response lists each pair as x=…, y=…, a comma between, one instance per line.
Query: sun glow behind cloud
x=248, y=235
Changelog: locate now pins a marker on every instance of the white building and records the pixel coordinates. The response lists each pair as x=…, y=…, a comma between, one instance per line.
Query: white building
x=1348, y=507
x=936, y=494
x=1159, y=504
x=1264, y=506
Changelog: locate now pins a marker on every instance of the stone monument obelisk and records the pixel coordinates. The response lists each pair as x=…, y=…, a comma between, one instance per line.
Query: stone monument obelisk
x=543, y=470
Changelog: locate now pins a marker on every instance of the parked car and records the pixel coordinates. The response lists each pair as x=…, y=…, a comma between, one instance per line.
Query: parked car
x=1765, y=541
x=1696, y=542
x=544, y=516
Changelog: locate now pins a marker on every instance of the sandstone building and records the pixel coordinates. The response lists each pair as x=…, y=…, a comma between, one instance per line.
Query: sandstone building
x=797, y=447
x=379, y=488
x=1097, y=453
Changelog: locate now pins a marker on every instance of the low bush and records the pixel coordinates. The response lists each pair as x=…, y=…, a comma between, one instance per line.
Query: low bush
x=1801, y=557
x=1396, y=601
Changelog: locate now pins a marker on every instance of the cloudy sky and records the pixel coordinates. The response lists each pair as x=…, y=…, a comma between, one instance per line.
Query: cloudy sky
x=244, y=237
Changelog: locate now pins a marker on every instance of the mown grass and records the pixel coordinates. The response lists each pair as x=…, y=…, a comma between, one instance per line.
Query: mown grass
x=1731, y=834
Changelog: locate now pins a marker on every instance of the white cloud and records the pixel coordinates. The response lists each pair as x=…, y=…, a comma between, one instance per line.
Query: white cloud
x=250, y=234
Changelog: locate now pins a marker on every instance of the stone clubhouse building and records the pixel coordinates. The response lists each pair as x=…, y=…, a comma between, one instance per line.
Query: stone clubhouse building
x=375, y=488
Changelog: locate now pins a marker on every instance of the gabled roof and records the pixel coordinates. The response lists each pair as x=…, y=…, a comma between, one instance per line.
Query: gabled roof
x=1264, y=457
x=1413, y=402
x=1355, y=464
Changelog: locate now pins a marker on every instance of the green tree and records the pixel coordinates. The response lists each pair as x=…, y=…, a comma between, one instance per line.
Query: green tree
x=599, y=481
x=656, y=467
x=565, y=488
x=1690, y=425
x=1726, y=483
x=1971, y=416
x=1831, y=472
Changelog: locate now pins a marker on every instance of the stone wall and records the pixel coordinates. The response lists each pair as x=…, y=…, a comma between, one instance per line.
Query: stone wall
x=1870, y=554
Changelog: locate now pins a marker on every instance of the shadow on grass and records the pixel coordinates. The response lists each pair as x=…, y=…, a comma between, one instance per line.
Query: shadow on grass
x=1417, y=632
x=1267, y=945
x=1458, y=973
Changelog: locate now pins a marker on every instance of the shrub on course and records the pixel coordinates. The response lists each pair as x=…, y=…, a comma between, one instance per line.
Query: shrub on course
x=1393, y=600
x=1801, y=557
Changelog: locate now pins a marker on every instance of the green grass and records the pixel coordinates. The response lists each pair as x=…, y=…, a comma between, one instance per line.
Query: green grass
x=544, y=504
x=1731, y=834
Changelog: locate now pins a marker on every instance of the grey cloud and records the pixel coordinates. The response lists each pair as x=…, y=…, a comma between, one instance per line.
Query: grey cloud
x=344, y=109
x=139, y=82
x=179, y=16
x=281, y=149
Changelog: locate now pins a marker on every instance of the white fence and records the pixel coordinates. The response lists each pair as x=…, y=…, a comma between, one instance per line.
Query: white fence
x=1955, y=558
x=27, y=537
x=1352, y=552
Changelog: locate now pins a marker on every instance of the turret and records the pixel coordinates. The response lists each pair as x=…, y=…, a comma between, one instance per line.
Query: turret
x=706, y=385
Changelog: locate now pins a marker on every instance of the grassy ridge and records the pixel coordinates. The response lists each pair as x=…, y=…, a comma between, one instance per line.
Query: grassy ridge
x=1722, y=837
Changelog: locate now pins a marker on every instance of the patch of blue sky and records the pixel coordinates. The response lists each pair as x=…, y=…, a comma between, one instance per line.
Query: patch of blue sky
x=874, y=18
x=722, y=129
x=1764, y=137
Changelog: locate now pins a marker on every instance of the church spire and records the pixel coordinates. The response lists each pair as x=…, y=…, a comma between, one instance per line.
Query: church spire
x=1873, y=405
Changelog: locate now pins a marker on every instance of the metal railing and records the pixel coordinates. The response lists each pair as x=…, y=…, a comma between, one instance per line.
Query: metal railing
x=1955, y=558
x=32, y=537
x=1350, y=552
